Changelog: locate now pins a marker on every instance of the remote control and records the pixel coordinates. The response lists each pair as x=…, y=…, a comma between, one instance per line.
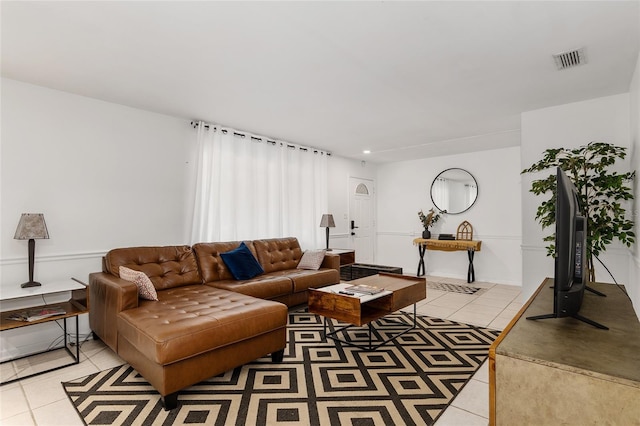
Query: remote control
x=346, y=292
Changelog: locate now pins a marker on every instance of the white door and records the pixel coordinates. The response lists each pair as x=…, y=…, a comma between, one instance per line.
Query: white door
x=362, y=223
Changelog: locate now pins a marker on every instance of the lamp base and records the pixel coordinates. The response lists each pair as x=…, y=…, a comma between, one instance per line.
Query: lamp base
x=30, y=284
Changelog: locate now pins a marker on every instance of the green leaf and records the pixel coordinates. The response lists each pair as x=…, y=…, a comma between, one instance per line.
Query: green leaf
x=603, y=193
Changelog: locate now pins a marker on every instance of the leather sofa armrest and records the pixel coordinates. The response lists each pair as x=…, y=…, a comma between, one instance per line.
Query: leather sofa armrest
x=331, y=261
x=109, y=295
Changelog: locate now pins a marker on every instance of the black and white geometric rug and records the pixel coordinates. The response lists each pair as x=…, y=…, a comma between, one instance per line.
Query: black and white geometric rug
x=456, y=288
x=320, y=382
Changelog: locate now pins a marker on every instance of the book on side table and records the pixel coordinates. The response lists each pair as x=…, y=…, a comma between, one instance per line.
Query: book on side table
x=37, y=314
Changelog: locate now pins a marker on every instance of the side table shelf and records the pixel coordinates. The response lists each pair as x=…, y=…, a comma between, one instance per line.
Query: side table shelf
x=77, y=305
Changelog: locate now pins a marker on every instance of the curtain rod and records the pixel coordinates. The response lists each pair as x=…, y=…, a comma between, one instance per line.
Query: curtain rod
x=195, y=124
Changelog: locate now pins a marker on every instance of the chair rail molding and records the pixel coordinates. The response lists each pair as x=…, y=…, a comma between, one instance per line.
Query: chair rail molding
x=617, y=251
x=54, y=257
x=476, y=236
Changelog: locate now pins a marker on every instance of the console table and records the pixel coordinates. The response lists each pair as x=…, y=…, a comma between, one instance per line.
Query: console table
x=78, y=304
x=470, y=246
x=561, y=371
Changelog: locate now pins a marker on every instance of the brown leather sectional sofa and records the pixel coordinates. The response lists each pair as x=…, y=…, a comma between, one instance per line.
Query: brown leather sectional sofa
x=205, y=322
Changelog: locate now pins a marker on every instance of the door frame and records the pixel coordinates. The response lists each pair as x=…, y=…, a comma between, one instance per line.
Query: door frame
x=374, y=219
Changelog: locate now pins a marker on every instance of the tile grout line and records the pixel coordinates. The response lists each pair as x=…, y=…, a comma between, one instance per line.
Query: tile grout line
x=476, y=298
x=26, y=399
x=95, y=352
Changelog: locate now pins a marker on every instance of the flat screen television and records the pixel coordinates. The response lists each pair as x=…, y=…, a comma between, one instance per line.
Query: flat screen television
x=570, y=271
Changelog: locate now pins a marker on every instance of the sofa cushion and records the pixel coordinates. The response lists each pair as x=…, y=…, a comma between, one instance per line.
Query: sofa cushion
x=241, y=263
x=265, y=286
x=195, y=319
x=166, y=267
x=304, y=279
x=312, y=259
x=212, y=267
x=146, y=290
x=278, y=254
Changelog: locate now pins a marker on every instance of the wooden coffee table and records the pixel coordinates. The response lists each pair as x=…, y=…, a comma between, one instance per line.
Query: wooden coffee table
x=399, y=292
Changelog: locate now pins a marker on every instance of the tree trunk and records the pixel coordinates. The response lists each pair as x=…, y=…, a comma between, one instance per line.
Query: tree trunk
x=591, y=276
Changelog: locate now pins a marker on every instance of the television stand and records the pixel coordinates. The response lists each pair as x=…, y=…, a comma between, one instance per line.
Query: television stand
x=576, y=316
x=544, y=372
x=594, y=291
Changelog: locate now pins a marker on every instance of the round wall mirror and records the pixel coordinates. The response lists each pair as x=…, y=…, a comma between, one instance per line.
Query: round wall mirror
x=454, y=191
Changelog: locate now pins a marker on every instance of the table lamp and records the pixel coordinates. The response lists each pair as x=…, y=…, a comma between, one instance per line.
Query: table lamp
x=327, y=222
x=30, y=227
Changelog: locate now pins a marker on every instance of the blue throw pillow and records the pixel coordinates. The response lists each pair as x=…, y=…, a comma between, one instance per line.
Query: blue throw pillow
x=241, y=263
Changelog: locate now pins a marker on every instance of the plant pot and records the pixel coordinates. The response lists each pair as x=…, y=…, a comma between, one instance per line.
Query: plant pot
x=426, y=234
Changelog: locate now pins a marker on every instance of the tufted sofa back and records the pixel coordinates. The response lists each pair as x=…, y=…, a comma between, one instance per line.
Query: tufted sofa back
x=212, y=267
x=167, y=267
x=175, y=266
x=278, y=254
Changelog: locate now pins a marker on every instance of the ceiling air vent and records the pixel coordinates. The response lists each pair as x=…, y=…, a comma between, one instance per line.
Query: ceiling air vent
x=570, y=59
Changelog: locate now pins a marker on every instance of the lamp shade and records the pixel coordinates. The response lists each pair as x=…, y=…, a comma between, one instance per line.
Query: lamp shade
x=327, y=221
x=31, y=226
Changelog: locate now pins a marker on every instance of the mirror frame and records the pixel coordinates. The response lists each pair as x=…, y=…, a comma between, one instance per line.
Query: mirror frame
x=440, y=174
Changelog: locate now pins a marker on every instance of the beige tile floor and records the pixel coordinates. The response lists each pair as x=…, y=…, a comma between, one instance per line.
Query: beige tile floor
x=41, y=400
x=493, y=307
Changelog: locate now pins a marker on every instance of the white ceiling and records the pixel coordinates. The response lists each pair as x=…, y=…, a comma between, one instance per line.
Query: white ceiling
x=402, y=79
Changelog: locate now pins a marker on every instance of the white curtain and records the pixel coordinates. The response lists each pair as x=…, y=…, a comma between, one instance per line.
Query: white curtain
x=441, y=194
x=472, y=193
x=249, y=187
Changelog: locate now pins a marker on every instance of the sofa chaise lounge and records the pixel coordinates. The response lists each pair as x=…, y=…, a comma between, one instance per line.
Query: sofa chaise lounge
x=204, y=322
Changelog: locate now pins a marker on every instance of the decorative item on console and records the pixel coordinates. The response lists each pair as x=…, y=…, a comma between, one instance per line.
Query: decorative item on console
x=447, y=237
x=430, y=219
x=464, y=231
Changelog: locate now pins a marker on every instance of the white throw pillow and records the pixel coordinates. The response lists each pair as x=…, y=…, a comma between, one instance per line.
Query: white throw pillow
x=311, y=259
x=146, y=290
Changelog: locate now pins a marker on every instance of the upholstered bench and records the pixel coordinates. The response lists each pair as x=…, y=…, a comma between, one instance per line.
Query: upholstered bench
x=195, y=332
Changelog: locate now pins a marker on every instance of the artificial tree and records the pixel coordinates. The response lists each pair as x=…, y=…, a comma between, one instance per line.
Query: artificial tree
x=602, y=193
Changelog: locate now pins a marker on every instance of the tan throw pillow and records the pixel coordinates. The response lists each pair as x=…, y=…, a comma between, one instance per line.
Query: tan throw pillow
x=311, y=259
x=146, y=290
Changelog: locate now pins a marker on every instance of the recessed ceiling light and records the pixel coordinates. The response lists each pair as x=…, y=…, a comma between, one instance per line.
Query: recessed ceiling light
x=366, y=151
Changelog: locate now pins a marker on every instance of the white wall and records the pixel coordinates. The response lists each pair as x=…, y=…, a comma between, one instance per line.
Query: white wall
x=339, y=170
x=634, y=263
x=571, y=125
x=403, y=190
x=107, y=176
x=104, y=176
